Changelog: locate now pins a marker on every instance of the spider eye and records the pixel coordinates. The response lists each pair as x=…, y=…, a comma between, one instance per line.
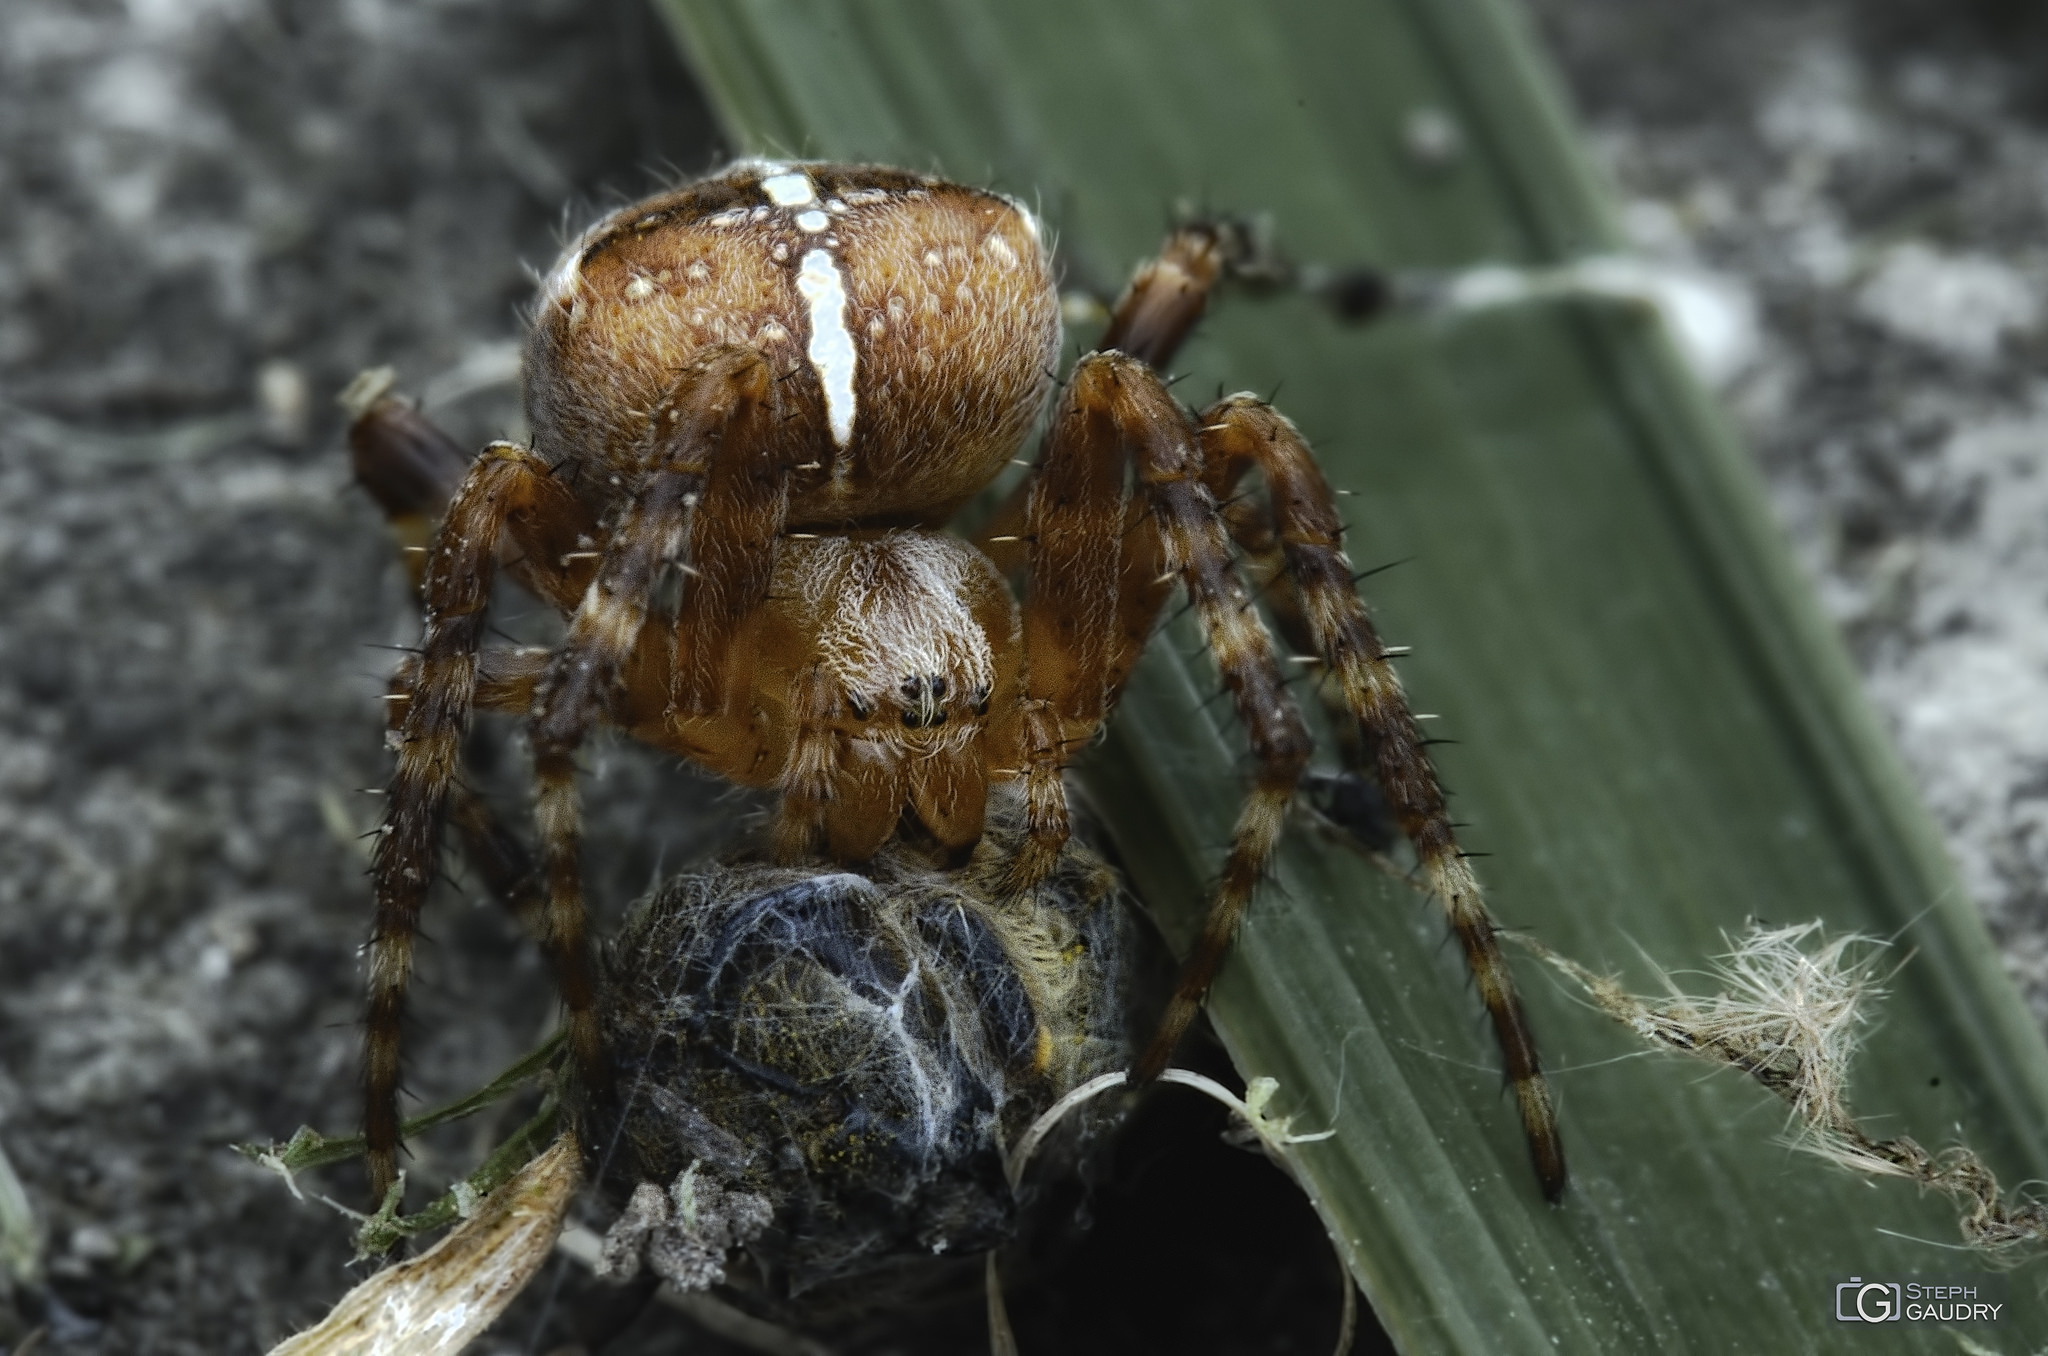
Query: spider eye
x=981, y=701
x=861, y=710
x=921, y=702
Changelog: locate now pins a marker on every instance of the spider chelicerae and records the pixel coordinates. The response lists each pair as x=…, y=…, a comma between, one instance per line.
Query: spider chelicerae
x=780, y=383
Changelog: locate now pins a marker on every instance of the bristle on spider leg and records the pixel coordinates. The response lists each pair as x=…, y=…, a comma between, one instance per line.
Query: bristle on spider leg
x=1246, y=433
x=442, y=682
x=1197, y=548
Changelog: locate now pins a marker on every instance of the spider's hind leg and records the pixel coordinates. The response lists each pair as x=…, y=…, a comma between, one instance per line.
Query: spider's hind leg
x=1348, y=801
x=1241, y=433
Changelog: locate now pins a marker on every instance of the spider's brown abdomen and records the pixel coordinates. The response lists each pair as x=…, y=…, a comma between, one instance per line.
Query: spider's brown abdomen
x=913, y=325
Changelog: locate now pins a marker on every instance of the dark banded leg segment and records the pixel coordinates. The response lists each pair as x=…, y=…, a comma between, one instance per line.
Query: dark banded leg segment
x=1241, y=433
x=1073, y=625
x=505, y=681
x=711, y=440
x=501, y=492
x=1150, y=321
x=412, y=470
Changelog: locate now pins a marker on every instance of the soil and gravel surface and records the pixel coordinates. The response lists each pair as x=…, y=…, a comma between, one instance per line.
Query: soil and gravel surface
x=217, y=211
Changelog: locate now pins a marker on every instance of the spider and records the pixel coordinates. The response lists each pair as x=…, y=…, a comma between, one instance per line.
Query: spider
x=778, y=384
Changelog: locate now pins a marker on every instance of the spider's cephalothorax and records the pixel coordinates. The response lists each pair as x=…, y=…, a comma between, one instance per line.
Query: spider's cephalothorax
x=779, y=383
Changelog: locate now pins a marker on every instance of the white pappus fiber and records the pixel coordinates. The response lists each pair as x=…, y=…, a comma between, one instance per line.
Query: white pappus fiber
x=1788, y=1016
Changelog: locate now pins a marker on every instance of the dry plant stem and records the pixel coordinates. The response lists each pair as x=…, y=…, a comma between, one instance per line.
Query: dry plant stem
x=437, y=1302
x=1273, y=1134
x=1789, y=1020
x=384, y=1228
x=311, y=1149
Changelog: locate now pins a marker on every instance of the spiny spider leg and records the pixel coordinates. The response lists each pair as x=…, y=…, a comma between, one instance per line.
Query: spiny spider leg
x=413, y=469
x=1106, y=549
x=1071, y=630
x=408, y=465
x=1150, y=321
x=1357, y=804
x=735, y=463
x=1244, y=432
x=506, y=490
x=505, y=682
x=710, y=440
x=1166, y=297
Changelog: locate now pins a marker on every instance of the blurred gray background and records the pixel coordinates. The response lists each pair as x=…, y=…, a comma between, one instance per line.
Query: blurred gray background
x=214, y=212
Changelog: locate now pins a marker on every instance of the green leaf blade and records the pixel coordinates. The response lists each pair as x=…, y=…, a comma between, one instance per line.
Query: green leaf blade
x=1660, y=735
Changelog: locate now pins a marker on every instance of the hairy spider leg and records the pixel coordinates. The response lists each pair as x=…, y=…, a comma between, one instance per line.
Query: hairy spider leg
x=1150, y=321
x=507, y=492
x=489, y=848
x=1166, y=296
x=1375, y=730
x=1154, y=316
x=712, y=438
x=1074, y=631
x=812, y=769
x=1242, y=433
x=505, y=681
x=412, y=469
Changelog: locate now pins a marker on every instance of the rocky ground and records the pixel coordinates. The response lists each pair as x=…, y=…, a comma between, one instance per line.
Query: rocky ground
x=216, y=211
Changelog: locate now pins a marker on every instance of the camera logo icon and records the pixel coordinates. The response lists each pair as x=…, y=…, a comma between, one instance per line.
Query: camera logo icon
x=1860, y=1301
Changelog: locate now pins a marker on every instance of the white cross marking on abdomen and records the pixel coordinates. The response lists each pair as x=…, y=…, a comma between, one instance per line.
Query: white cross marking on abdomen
x=831, y=348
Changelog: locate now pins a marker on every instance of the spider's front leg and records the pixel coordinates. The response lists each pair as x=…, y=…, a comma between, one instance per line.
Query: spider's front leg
x=506, y=491
x=1080, y=632
x=712, y=444
x=412, y=469
x=1150, y=321
x=1243, y=433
